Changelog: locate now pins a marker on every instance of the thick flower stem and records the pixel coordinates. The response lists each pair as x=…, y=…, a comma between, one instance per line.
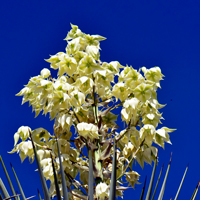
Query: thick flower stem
x=98, y=166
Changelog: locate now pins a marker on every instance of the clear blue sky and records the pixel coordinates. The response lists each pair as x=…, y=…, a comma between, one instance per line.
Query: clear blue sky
x=139, y=33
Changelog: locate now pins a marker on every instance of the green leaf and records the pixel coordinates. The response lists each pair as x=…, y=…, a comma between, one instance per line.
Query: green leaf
x=18, y=183
x=39, y=194
x=56, y=181
x=181, y=184
x=157, y=182
x=8, y=178
x=148, y=196
x=91, y=178
x=64, y=186
x=113, y=175
x=30, y=197
x=42, y=179
x=143, y=189
x=165, y=180
x=3, y=189
x=195, y=191
x=14, y=197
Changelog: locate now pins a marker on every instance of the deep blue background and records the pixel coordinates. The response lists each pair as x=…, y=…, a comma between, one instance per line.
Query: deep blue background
x=139, y=33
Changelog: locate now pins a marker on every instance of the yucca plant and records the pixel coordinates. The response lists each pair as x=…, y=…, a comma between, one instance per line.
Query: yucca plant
x=90, y=196
x=94, y=160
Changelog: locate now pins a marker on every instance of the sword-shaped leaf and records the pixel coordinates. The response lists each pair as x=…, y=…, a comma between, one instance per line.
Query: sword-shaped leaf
x=113, y=175
x=165, y=180
x=43, y=182
x=91, y=178
x=64, y=185
x=11, y=197
x=56, y=181
x=148, y=196
x=30, y=197
x=8, y=178
x=195, y=191
x=3, y=189
x=181, y=183
x=157, y=182
x=143, y=189
x=18, y=183
x=39, y=194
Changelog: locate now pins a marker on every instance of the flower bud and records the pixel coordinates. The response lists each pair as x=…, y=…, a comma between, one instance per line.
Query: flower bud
x=45, y=73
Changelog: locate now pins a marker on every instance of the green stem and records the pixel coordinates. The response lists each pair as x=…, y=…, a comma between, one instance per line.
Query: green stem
x=131, y=160
x=75, y=115
x=95, y=110
x=117, y=105
x=98, y=164
x=121, y=136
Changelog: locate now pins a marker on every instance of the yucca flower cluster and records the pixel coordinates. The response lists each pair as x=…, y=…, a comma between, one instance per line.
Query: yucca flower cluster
x=82, y=101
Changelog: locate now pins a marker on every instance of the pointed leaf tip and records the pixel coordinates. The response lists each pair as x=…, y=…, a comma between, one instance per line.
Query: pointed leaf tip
x=180, y=186
x=55, y=180
x=170, y=159
x=42, y=179
x=148, y=195
x=143, y=189
x=64, y=185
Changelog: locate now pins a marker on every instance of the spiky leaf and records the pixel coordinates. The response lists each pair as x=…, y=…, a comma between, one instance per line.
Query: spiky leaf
x=43, y=182
x=18, y=183
x=181, y=184
x=113, y=176
x=8, y=178
x=64, y=185
x=164, y=182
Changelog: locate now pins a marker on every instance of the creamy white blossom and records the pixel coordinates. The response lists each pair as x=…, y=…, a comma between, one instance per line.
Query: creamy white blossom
x=83, y=98
x=88, y=130
x=45, y=73
x=102, y=191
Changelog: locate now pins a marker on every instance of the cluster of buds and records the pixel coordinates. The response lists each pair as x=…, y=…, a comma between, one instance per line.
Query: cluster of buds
x=82, y=100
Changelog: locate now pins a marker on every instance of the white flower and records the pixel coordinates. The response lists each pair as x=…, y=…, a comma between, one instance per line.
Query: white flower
x=120, y=91
x=130, y=110
x=154, y=74
x=93, y=51
x=27, y=147
x=45, y=73
x=102, y=191
x=147, y=132
x=47, y=168
x=68, y=65
x=84, y=84
x=77, y=98
x=64, y=120
x=23, y=133
x=132, y=177
x=143, y=92
x=87, y=130
x=128, y=149
x=131, y=103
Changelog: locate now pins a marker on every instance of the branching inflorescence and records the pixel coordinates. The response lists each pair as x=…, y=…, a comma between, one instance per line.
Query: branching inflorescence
x=82, y=100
